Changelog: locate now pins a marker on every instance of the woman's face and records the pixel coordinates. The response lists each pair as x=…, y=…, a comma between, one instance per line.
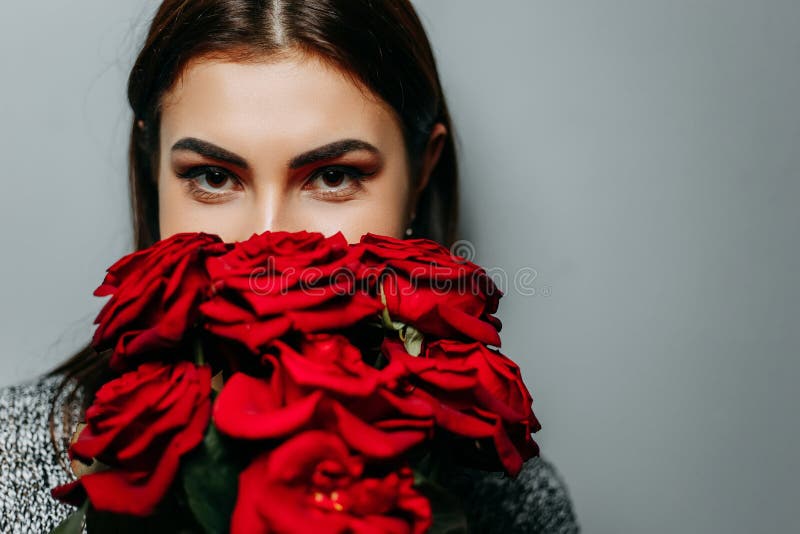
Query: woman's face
x=288, y=145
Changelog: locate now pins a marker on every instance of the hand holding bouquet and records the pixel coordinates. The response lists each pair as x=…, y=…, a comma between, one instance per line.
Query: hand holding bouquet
x=347, y=380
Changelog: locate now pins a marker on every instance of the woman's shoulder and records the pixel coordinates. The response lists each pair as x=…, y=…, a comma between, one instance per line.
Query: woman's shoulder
x=25, y=405
x=39, y=389
x=536, y=501
x=29, y=464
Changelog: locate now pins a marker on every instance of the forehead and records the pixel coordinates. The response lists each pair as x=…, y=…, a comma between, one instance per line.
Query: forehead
x=301, y=98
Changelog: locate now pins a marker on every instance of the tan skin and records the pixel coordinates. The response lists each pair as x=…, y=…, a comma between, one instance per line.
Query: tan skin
x=267, y=115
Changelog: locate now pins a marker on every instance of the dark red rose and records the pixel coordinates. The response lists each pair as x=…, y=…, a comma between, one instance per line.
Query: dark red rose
x=154, y=295
x=433, y=290
x=140, y=425
x=330, y=362
x=476, y=392
x=312, y=483
x=324, y=389
x=275, y=282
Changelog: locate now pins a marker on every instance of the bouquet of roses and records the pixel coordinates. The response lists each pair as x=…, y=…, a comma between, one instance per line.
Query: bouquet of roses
x=293, y=382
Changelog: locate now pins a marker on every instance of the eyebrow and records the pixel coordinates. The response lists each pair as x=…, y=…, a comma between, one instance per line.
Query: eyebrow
x=210, y=150
x=322, y=153
x=331, y=151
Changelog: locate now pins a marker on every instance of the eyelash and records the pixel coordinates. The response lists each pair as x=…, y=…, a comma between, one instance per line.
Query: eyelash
x=191, y=175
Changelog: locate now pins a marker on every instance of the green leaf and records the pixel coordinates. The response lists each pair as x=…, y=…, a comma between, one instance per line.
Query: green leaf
x=431, y=470
x=411, y=337
x=210, y=476
x=73, y=524
x=448, y=514
x=397, y=326
x=412, y=340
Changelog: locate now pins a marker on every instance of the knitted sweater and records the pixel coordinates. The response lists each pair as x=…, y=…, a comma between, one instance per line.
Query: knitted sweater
x=536, y=501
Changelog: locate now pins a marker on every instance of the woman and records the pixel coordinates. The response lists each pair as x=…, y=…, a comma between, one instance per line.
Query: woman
x=322, y=115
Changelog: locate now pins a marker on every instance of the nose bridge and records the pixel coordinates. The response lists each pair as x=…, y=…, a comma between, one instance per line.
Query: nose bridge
x=270, y=212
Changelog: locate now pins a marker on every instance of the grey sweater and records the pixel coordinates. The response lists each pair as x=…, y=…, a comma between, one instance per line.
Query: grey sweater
x=536, y=501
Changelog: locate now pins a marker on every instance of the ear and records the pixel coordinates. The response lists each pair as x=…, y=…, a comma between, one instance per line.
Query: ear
x=432, y=152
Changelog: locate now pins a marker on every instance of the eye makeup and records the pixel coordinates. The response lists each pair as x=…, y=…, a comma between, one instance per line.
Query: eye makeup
x=336, y=183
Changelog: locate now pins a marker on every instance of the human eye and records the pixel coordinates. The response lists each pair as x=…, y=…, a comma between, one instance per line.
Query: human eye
x=336, y=182
x=210, y=184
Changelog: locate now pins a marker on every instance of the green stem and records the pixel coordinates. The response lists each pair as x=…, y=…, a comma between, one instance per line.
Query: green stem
x=199, y=357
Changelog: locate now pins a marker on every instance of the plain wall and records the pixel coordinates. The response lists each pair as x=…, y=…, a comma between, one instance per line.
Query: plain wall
x=636, y=163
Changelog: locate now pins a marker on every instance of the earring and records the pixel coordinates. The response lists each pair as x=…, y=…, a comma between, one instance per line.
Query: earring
x=410, y=230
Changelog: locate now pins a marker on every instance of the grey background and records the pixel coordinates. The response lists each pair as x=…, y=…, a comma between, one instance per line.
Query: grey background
x=640, y=158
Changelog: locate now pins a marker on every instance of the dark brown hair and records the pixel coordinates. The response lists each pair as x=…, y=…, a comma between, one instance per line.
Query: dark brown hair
x=380, y=44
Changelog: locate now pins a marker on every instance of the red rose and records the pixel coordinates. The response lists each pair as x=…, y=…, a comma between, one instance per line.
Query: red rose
x=154, y=296
x=328, y=362
x=476, y=392
x=140, y=425
x=275, y=282
x=314, y=391
x=436, y=292
x=311, y=483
